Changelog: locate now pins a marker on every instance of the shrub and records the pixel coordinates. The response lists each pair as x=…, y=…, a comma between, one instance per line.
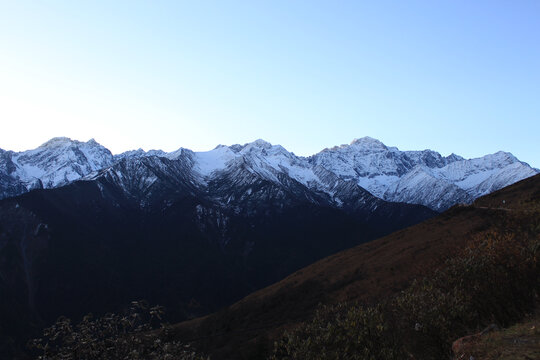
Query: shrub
x=493, y=280
x=132, y=335
x=342, y=332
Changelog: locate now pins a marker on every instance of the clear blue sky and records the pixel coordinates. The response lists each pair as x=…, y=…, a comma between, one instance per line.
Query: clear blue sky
x=453, y=76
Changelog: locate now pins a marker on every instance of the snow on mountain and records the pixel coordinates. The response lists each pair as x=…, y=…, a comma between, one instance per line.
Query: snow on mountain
x=139, y=153
x=208, y=162
x=268, y=162
x=460, y=181
x=148, y=179
x=57, y=162
x=61, y=160
x=373, y=165
x=333, y=175
x=421, y=177
x=421, y=185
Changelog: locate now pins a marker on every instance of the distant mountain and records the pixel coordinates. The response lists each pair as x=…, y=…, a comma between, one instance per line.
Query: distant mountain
x=421, y=177
x=335, y=175
x=57, y=162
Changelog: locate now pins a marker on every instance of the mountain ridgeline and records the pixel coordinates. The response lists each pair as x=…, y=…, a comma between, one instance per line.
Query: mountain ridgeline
x=82, y=230
x=415, y=177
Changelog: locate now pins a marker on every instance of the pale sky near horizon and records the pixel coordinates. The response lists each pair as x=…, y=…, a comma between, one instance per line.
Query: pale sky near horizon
x=452, y=76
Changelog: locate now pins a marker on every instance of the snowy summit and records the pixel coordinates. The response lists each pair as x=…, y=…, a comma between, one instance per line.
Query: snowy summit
x=417, y=177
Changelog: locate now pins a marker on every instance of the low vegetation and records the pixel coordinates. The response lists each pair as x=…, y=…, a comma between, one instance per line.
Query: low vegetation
x=521, y=341
x=137, y=334
x=493, y=280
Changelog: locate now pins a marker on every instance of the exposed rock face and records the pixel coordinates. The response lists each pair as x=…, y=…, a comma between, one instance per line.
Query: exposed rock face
x=421, y=177
x=57, y=162
x=338, y=175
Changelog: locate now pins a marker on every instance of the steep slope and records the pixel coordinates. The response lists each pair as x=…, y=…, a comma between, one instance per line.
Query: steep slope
x=365, y=273
x=422, y=185
x=149, y=180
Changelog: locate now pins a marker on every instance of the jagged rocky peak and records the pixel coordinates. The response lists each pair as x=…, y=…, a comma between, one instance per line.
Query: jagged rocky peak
x=56, y=162
x=368, y=143
x=259, y=156
x=500, y=157
x=236, y=147
x=453, y=157
x=257, y=146
x=364, y=143
x=140, y=153
x=56, y=142
x=64, y=150
x=260, y=143
x=62, y=141
x=419, y=177
x=264, y=148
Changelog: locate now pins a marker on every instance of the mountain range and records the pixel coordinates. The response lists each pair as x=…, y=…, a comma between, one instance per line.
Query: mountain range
x=332, y=176
x=83, y=230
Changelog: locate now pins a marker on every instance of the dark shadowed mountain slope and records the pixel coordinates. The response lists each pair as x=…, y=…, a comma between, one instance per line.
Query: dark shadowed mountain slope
x=145, y=228
x=366, y=273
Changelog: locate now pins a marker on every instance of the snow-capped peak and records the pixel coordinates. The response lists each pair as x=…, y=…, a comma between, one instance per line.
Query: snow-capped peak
x=367, y=142
x=56, y=142
x=261, y=143
x=63, y=141
x=54, y=163
x=396, y=175
x=207, y=162
x=453, y=157
x=257, y=144
x=420, y=177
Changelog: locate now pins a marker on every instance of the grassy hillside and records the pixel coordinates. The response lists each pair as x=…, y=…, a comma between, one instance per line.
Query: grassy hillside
x=381, y=270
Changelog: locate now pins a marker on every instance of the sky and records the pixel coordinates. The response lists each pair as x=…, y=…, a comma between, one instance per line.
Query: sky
x=451, y=76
